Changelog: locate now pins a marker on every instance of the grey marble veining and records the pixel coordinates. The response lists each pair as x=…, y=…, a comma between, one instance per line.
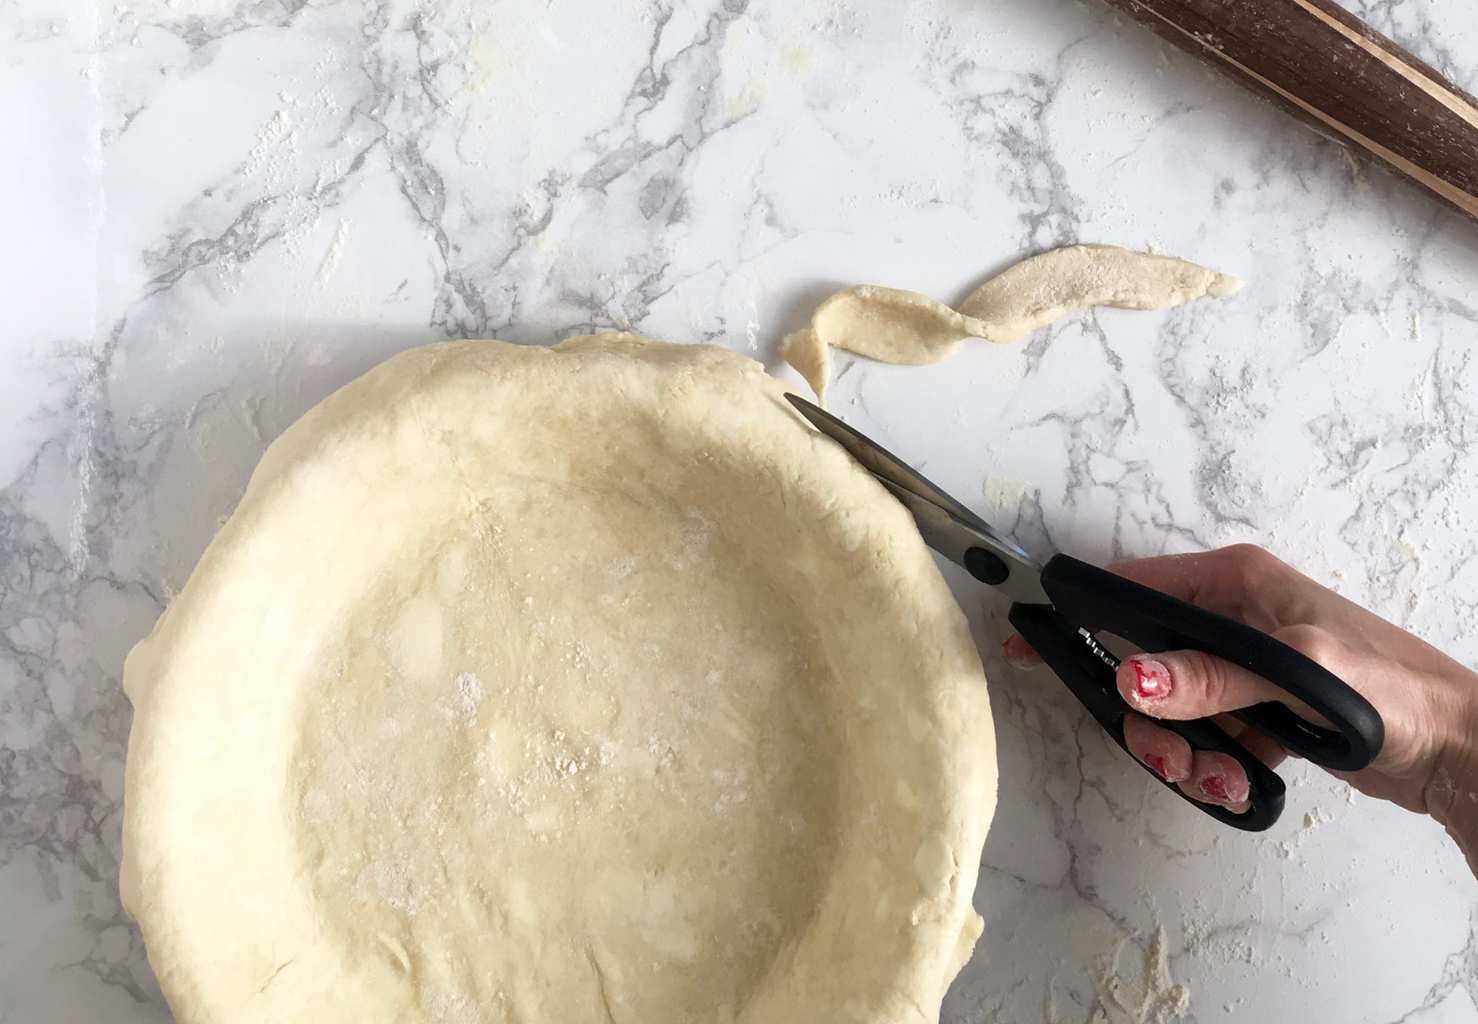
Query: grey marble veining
x=219, y=210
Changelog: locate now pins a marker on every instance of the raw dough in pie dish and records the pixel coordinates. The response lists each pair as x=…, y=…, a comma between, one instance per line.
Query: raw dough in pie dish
x=553, y=686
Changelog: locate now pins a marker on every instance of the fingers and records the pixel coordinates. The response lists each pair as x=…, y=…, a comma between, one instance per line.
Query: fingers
x=1231, y=581
x=1166, y=754
x=1206, y=776
x=1209, y=777
x=1260, y=745
x=1186, y=576
x=1217, y=778
x=1189, y=684
x=1183, y=685
x=1019, y=653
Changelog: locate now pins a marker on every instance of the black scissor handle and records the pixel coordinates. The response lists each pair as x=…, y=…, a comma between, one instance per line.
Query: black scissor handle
x=1100, y=600
x=1088, y=671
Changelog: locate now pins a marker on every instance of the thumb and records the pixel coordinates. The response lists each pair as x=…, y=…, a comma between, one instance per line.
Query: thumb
x=1190, y=684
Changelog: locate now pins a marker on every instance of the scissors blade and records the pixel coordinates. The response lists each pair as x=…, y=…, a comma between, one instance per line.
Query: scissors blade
x=946, y=525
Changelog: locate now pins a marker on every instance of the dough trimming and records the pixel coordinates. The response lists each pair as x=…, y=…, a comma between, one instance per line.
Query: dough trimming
x=896, y=326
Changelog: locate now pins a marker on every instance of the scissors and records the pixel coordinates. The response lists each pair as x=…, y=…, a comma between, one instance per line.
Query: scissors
x=1058, y=607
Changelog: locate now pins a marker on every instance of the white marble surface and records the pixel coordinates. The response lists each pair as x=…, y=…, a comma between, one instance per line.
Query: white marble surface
x=215, y=211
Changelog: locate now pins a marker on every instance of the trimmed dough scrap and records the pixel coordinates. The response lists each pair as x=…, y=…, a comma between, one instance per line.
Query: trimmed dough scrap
x=903, y=327
x=552, y=686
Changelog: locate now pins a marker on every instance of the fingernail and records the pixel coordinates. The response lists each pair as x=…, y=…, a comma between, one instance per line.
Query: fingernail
x=1018, y=652
x=1158, y=763
x=1151, y=679
x=1214, y=787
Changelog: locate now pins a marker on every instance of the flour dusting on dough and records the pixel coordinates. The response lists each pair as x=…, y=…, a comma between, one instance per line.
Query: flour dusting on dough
x=469, y=694
x=903, y=327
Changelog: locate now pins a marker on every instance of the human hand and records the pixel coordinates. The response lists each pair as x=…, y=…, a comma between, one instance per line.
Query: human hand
x=1429, y=763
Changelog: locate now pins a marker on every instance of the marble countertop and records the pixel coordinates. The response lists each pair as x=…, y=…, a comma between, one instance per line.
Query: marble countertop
x=216, y=211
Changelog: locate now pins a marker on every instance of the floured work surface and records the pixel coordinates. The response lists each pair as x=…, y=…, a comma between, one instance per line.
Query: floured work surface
x=559, y=685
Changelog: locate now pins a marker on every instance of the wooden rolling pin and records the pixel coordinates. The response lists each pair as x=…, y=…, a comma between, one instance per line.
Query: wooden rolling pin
x=1336, y=72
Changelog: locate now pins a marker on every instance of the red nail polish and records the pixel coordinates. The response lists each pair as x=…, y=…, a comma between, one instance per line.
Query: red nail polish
x=1018, y=652
x=1215, y=788
x=1151, y=679
x=1157, y=762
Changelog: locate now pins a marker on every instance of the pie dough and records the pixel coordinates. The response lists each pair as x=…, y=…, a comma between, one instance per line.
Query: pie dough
x=894, y=326
x=559, y=686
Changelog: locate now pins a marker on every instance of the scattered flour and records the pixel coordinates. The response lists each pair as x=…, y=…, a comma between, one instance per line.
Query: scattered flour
x=276, y=139
x=1312, y=820
x=330, y=262
x=1154, y=997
